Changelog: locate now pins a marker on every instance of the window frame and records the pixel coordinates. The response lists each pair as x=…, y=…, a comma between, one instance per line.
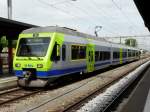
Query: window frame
x=77, y=57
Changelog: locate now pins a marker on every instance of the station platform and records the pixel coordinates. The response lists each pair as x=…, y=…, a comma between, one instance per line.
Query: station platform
x=6, y=75
x=8, y=82
x=139, y=100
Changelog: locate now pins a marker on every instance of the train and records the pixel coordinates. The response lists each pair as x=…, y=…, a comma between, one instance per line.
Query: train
x=44, y=54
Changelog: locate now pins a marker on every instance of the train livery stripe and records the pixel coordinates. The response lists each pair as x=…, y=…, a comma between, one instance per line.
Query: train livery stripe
x=103, y=63
x=53, y=72
x=60, y=72
x=45, y=74
x=121, y=55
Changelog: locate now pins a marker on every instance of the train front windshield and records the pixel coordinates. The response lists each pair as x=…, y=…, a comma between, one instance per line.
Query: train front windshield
x=33, y=47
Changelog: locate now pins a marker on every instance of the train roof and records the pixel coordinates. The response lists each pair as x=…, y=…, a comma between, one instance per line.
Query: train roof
x=65, y=30
x=73, y=33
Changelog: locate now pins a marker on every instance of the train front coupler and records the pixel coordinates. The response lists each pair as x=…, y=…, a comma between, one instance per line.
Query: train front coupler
x=29, y=79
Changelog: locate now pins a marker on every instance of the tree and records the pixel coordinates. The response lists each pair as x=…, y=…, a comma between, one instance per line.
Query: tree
x=131, y=42
x=4, y=41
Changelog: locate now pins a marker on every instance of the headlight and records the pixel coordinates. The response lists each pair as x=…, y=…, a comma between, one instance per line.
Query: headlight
x=17, y=65
x=39, y=65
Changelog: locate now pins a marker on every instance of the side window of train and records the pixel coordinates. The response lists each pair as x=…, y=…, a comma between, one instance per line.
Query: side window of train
x=82, y=52
x=96, y=55
x=116, y=55
x=63, y=52
x=56, y=52
x=78, y=52
x=100, y=55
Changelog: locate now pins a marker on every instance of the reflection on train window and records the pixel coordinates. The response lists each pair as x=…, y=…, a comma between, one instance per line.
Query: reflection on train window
x=124, y=54
x=102, y=55
x=82, y=52
x=129, y=53
x=137, y=53
x=116, y=55
x=63, y=52
x=96, y=55
x=33, y=46
x=56, y=52
x=78, y=52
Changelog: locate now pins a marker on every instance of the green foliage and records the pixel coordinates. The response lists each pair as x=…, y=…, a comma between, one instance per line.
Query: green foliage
x=131, y=42
x=3, y=41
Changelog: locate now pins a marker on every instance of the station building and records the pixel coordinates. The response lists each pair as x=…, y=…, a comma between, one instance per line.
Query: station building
x=9, y=31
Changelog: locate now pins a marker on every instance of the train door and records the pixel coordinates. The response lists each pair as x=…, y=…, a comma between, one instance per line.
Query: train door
x=121, y=55
x=90, y=57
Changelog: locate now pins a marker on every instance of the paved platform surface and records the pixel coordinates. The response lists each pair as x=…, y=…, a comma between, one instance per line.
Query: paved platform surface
x=139, y=100
x=6, y=75
x=8, y=82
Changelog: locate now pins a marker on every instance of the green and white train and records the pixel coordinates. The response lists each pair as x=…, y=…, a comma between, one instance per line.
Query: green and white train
x=44, y=54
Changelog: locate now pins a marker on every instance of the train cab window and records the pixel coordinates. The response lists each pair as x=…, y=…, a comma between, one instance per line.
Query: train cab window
x=56, y=53
x=63, y=52
x=33, y=47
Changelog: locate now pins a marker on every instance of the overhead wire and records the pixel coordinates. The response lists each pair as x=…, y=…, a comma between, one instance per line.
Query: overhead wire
x=126, y=17
x=61, y=2
x=129, y=22
x=81, y=9
x=105, y=17
x=59, y=9
x=64, y=11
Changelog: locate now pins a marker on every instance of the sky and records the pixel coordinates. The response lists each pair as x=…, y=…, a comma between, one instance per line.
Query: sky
x=116, y=17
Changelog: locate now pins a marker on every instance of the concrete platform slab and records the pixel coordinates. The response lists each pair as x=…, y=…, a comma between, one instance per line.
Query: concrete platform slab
x=8, y=82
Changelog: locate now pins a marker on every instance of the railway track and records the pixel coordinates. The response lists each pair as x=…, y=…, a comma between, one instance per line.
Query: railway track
x=15, y=94
x=77, y=105
x=70, y=97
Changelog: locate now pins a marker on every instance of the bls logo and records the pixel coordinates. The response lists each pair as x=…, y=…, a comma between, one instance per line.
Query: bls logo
x=29, y=65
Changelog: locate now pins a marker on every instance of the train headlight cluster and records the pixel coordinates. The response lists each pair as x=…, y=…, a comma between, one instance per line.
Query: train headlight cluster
x=39, y=65
x=17, y=65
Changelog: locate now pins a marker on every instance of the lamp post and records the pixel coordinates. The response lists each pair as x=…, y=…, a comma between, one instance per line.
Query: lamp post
x=97, y=29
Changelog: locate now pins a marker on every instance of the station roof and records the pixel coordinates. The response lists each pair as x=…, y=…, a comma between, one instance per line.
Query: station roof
x=144, y=7
x=12, y=28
